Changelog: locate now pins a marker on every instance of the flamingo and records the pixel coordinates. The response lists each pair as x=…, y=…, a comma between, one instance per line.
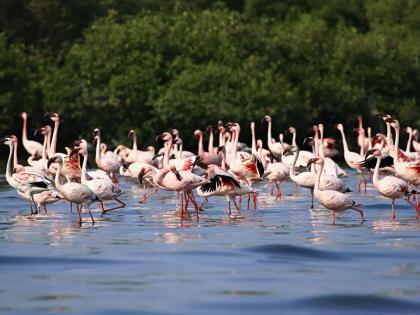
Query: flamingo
x=207, y=158
x=107, y=162
x=407, y=170
x=353, y=159
x=76, y=193
x=275, y=147
x=389, y=186
x=331, y=199
x=32, y=147
x=361, y=139
x=222, y=183
x=103, y=187
x=136, y=155
x=33, y=186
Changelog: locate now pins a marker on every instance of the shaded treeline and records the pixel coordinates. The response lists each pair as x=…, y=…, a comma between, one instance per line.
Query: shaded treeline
x=154, y=65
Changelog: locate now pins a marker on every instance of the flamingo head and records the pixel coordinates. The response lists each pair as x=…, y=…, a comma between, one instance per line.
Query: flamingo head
x=78, y=146
x=252, y=125
x=14, y=139
x=173, y=169
x=222, y=148
x=408, y=130
x=292, y=148
x=175, y=133
x=309, y=141
x=291, y=130
x=267, y=118
x=178, y=141
x=7, y=140
x=316, y=160
x=143, y=171
x=259, y=144
x=54, y=159
x=321, y=127
x=375, y=151
x=132, y=133
x=23, y=115
x=96, y=132
x=339, y=127
x=53, y=116
x=198, y=133
x=209, y=129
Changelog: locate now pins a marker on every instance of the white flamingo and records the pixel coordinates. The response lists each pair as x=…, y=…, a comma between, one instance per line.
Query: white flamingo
x=33, y=186
x=107, y=162
x=32, y=147
x=353, y=159
x=76, y=193
x=331, y=199
x=102, y=186
x=389, y=186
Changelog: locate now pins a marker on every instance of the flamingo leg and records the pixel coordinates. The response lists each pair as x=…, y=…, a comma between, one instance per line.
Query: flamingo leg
x=240, y=202
x=45, y=209
x=333, y=217
x=312, y=198
x=36, y=208
x=279, y=194
x=203, y=202
x=238, y=209
x=393, y=208
x=182, y=210
x=71, y=207
x=254, y=195
x=79, y=216
x=272, y=190
x=249, y=198
x=190, y=195
x=91, y=216
x=121, y=205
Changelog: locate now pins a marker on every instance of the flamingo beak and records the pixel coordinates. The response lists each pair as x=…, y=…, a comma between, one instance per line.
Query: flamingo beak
x=141, y=175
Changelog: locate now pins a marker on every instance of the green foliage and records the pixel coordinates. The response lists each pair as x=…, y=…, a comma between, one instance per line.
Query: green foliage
x=154, y=65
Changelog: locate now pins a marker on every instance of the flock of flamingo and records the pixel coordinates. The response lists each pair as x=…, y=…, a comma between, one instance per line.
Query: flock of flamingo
x=229, y=169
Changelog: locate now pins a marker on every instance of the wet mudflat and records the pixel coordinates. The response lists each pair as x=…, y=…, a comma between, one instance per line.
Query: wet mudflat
x=139, y=260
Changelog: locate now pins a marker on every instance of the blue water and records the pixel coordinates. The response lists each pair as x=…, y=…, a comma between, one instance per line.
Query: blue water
x=281, y=258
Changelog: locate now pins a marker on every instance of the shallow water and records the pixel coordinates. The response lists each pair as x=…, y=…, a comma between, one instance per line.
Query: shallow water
x=139, y=260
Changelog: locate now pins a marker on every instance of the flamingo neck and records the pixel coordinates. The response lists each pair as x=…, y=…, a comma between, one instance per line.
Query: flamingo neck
x=44, y=147
x=223, y=160
x=200, y=144
x=161, y=175
x=135, y=143
x=48, y=142
x=343, y=136
x=376, y=171
x=254, y=141
x=318, y=179
x=221, y=139
x=388, y=133
x=166, y=148
x=24, y=130
x=53, y=146
x=369, y=138
x=410, y=137
x=294, y=139
x=98, y=151
x=397, y=142
x=269, y=134
x=292, y=173
x=210, y=146
x=362, y=143
x=57, y=177
x=15, y=157
x=84, y=167
x=9, y=163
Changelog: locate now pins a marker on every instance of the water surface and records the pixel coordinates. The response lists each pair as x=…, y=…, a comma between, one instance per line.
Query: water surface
x=281, y=257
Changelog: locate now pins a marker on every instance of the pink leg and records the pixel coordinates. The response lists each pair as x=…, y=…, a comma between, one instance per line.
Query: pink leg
x=255, y=200
x=122, y=205
x=71, y=207
x=312, y=198
x=240, y=202
x=91, y=217
x=249, y=198
x=203, y=202
x=334, y=217
x=79, y=215
x=279, y=194
x=393, y=208
x=45, y=209
x=237, y=208
x=182, y=210
x=272, y=192
x=230, y=211
x=360, y=212
x=190, y=194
